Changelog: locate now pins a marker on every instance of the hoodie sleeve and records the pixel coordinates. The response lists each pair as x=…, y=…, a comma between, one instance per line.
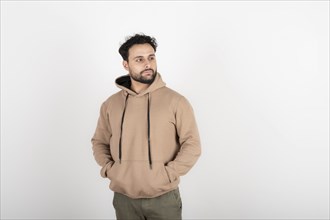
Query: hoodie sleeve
x=190, y=146
x=101, y=140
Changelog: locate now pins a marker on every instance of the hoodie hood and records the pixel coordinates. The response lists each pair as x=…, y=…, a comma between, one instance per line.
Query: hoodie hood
x=124, y=83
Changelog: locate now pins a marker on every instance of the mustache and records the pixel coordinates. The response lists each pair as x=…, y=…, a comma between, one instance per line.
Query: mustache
x=148, y=70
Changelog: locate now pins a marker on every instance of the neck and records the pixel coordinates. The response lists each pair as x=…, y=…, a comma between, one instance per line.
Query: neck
x=138, y=87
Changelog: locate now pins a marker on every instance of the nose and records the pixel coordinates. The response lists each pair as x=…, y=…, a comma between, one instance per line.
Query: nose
x=147, y=65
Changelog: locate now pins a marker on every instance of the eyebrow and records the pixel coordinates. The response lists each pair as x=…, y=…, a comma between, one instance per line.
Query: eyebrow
x=142, y=56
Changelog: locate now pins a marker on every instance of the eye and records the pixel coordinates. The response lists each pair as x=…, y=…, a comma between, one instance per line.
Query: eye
x=138, y=60
x=152, y=58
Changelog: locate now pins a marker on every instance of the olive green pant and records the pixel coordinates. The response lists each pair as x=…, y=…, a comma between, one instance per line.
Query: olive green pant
x=165, y=207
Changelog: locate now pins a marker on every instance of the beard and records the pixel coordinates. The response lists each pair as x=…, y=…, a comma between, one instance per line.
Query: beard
x=142, y=79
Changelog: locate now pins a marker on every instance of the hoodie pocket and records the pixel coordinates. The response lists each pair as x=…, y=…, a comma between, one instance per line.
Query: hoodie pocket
x=104, y=170
x=110, y=169
x=157, y=176
x=136, y=180
x=165, y=174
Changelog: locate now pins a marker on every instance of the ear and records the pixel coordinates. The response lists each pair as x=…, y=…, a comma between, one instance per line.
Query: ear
x=125, y=64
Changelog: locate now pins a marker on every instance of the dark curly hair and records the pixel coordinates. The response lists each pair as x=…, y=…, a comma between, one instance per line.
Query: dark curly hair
x=136, y=39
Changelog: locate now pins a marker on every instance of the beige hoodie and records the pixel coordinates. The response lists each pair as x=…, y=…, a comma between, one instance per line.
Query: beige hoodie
x=137, y=167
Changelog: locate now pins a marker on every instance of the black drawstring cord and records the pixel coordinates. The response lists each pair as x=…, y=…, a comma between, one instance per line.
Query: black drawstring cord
x=121, y=127
x=149, y=148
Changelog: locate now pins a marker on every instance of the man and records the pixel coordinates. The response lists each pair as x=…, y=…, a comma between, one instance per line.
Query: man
x=146, y=138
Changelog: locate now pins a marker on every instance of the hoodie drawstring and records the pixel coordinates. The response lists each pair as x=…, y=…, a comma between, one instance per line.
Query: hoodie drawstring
x=121, y=127
x=149, y=148
x=121, y=131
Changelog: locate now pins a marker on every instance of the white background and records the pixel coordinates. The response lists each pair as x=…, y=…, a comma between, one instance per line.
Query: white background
x=256, y=73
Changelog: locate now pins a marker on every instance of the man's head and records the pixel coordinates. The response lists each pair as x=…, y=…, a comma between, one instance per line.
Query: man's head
x=139, y=59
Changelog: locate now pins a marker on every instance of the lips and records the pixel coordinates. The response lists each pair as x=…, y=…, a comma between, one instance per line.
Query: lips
x=147, y=72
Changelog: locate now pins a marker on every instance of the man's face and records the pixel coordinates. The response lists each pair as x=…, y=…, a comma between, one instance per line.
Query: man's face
x=141, y=64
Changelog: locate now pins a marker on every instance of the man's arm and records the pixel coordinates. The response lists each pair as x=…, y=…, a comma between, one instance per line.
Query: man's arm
x=101, y=140
x=189, y=141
